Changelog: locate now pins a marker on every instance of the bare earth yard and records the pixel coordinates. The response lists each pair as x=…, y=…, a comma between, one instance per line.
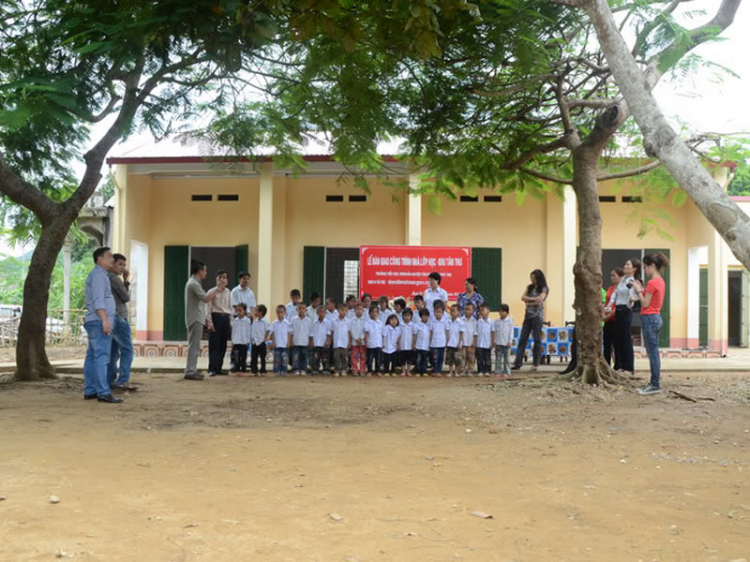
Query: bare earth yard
x=361, y=470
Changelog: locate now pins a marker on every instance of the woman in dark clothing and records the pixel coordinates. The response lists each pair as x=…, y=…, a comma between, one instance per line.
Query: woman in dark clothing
x=534, y=297
x=622, y=301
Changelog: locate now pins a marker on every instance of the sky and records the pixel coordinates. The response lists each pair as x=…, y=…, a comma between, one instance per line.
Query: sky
x=707, y=101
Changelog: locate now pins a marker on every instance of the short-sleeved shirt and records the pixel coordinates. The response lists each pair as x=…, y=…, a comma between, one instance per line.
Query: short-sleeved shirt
x=357, y=329
x=340, y=331
x=535, y=310
x=623, y=295
x=280, y=330
x=302, y=330
x=657, y=289
x=291, y=310
x=422, y=329
x=470, y=330
x=242, y=331
x=455, y=331
x=374, y=331
x=384, y=315
x=431, y=296
x=98, y=295
x=260, y=330
x=407, y=336
x=320, y=332
x=390, y=339
x=476, y=299
x=439, y=329
x=245, y=295
x=485, y=329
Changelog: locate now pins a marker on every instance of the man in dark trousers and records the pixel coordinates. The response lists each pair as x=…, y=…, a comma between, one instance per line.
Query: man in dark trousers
x=219, y=322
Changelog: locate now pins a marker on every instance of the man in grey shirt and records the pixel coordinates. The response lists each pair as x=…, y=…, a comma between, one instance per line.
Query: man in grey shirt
x=122, y=344
x=100, y=305
x=195, y=317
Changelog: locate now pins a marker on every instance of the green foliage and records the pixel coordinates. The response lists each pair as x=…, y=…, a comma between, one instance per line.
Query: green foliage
x=740, y=184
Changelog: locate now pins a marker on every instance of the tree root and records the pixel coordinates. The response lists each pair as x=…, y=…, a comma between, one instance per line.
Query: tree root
x=600, y=374
x=40, y=373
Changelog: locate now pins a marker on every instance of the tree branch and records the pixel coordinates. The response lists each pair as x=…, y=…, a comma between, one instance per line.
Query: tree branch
x=545, y=177
x=25, y=194
x=630, y=173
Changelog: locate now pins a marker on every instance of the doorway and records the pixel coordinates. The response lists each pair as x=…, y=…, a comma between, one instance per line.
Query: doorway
x=342, y=273
x=739, y=325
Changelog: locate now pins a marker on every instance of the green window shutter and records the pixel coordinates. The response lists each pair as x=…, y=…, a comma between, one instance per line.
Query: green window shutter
x=241, y=259
x=664, y=335
x=745, y=316
x=486, y=269
x=703, y=310
x=314, y=271
x=176, y=273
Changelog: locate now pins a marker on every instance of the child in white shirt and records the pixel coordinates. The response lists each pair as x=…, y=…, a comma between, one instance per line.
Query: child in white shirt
x=503, y=341
x=260, y=330
x=407, y=354
x=301, y=339
x=439, y=336
x=374, y=342
x=422, y=342
x=341, y=341
x=455, y=336
x=469, y=338
x=485, y=340
x=321, y=335
x=241, y=338
x=391, y=337
x=281, y=341
x=357, y=333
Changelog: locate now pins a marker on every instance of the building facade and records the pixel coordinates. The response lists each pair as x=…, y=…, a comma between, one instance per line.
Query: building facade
x=304, y=230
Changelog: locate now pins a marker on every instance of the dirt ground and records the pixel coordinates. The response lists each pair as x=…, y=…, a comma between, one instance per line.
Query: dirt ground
x=361, y=470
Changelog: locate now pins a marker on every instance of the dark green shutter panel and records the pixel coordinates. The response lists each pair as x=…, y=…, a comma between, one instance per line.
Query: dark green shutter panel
x=314, y=272
x=486, y=269
x=664, y=335
x=241, y=258
x=745, y=314
x=703, y=310
x=176, y=273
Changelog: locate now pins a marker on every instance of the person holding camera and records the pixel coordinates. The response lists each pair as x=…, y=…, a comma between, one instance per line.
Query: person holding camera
x=623, y=297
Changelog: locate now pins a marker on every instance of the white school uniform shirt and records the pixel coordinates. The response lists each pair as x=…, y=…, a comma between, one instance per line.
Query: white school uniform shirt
x=390, y=339
x=357, y=329
x=470, y=330
x=312, y=313
x=340, y=330
x=320, y=332
x=431, y=296
x=331, y=315
x=280, y=330
x=422, y=329
x=291, y=311
x=350, y=314
x=455, y=331
x=439, y=329
x=485, y=329
x=302, y=330
x=260, y=330
x=241, y=331
x=383, y=315
x=504, y=331
x=407, y=336
x=243, y=295
x=374, y=331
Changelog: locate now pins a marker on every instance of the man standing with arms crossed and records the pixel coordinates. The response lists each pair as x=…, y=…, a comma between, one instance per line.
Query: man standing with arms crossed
x=98, y=323
x=122, y=344
x=195, y=315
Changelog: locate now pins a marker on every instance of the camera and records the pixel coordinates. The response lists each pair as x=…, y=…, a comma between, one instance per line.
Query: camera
x=629, y=285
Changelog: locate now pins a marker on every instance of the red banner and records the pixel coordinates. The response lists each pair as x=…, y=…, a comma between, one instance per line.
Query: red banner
x=401, y=271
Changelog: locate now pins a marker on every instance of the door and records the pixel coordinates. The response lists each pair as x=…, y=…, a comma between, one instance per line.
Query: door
x=616, y=258
x=241, y=259
x=745, y=317
x=486, y=269
x=176, y=273
x=734, y=316
x=342, y=273
x=216, y=258
x=664, y=335
x=313, y=272
x=703, y=311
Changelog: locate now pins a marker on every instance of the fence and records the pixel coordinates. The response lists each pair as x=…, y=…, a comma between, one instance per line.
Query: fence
x=61, y=329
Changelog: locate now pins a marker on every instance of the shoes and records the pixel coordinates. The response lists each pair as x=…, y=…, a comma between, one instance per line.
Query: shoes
x=193, y=377
x=125, y=387
x=222, y=373
x=535, y=368
x=649, y=389
x=212, y=373
x=90, y=397
x=109, y=399
x=515, y=368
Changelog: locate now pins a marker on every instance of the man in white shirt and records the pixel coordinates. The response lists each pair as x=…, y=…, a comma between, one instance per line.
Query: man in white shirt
x=243, y=293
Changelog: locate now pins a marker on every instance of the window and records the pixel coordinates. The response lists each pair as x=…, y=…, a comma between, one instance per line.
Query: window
x=202, y=197
x=233, y=197
x=607, y=199
x=469, y=199
x=632, y=199
x=493, y=198
x=357, y=198
x=334, y=198
x=351, y=277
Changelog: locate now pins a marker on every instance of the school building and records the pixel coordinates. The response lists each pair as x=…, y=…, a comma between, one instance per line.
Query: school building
x=304, y=231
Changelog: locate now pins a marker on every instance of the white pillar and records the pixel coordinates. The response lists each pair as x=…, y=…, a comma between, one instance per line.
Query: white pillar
x=718, y=295
x=413, y=213
x=67, y=253
x=264, y=275
x=570, y=244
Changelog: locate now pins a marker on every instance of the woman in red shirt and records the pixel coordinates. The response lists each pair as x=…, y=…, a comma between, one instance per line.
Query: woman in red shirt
x=652, y=297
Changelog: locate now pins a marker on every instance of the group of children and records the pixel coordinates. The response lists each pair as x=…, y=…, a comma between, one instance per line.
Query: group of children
x=364, y=338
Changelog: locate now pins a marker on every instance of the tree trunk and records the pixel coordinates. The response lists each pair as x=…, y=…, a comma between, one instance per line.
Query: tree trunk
x=31, y=357
x=592, y=369
x=661, y=141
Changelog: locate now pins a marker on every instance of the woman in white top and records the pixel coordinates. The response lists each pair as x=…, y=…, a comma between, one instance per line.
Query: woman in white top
x=434, y=292
x=622, y=299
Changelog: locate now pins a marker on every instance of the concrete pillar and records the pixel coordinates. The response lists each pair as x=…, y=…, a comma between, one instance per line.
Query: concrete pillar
x=718, y=295
x=120, y=177
x=413, y=213
x=67, y=253
x=560, y=257
x=264, y=274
